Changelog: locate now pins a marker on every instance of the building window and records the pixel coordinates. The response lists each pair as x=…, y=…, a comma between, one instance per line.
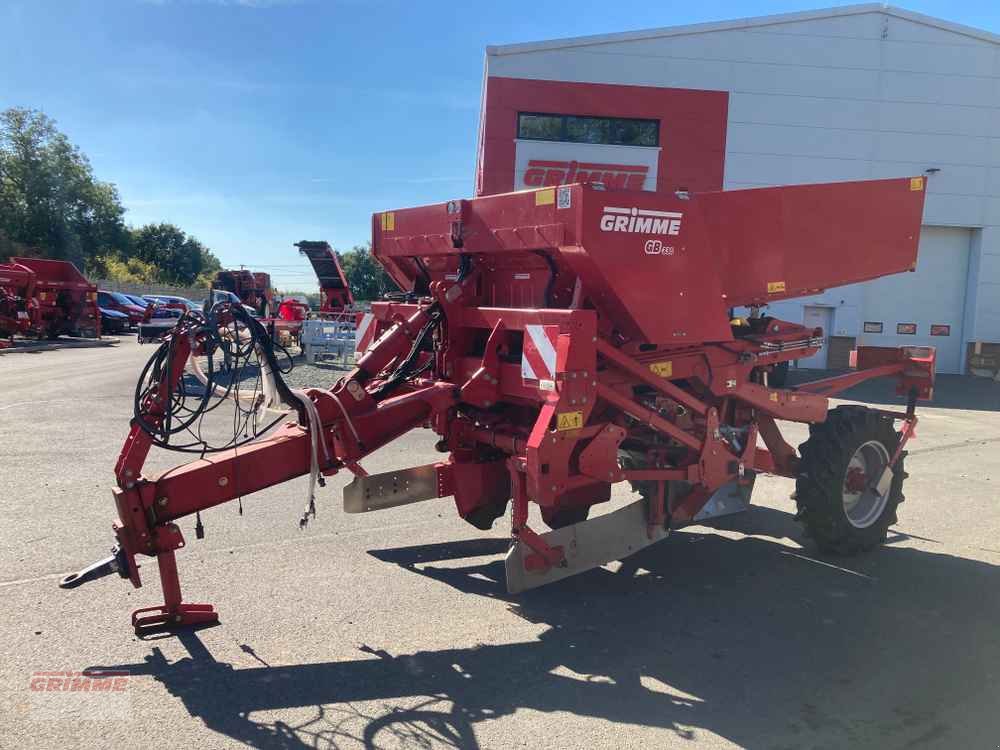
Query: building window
x=588, y=129
x=618, y=131
x=906, y=329
x=872, y=326
x=939, y=329
x=540, y=127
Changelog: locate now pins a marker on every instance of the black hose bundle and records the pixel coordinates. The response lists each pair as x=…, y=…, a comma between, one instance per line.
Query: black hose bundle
x=407, y=369
x=245, y=349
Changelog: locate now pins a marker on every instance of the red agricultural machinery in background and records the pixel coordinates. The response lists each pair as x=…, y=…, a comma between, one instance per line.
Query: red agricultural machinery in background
x=253, y=289
x=45, y=298
x=335, y=293
x=335, y=312
x=559, y=341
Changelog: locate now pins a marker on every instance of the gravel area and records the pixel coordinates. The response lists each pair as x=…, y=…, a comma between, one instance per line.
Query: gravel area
x=322, y=374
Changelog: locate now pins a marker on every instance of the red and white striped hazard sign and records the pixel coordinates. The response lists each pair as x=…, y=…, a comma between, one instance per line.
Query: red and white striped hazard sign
x=364, y=334
x=538, y=354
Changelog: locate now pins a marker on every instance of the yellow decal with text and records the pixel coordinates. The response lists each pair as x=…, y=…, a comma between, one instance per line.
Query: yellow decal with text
x=774, y=397
x=388, y=222
x=545, y=197
x=569, y=420
x=663, y=369
x=773, y=287
x=916, y=183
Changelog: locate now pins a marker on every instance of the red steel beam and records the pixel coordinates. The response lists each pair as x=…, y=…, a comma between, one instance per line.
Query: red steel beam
x=839, y=383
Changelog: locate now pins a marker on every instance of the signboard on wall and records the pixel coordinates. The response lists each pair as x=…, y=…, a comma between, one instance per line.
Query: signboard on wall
x=540, y=163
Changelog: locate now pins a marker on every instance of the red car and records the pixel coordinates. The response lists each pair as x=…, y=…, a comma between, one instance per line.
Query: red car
x=121, y=303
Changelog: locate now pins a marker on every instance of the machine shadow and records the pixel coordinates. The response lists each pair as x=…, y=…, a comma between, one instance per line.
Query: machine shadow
x=950, y=391
x=742, y=638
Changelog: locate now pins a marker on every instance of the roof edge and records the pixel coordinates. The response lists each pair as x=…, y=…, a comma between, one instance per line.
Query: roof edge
x=741, y=23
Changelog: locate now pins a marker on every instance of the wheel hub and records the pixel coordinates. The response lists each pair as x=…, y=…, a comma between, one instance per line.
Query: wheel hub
x=862, y=502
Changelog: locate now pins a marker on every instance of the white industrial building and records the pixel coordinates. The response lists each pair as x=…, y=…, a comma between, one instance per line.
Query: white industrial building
x=848, y=93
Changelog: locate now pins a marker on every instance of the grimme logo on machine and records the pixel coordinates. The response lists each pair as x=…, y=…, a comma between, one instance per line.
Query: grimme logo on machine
x=641, y=221
x=542, y=172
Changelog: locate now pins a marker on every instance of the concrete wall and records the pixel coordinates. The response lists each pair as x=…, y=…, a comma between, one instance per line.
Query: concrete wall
x=854, y=95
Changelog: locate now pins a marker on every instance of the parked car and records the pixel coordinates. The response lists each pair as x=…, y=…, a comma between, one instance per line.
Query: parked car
x=163, y=299
x=164, y=311
x=113, y=321
x=119, y=302
x=140, y=301
x=159, y=311
x=222, y=295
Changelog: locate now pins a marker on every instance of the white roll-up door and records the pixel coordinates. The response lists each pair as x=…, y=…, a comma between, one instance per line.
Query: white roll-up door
x=925, y=306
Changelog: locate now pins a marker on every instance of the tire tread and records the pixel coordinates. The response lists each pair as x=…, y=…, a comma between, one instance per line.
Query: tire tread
x=819, y=486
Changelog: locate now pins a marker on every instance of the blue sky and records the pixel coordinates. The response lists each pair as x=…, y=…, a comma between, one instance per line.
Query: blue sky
x=253, y=124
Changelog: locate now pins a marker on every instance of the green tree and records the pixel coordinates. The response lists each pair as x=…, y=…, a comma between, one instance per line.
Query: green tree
x=209, y=266
x=365, y=275
x=116, y=268
x=180, y=257
x=49, y=197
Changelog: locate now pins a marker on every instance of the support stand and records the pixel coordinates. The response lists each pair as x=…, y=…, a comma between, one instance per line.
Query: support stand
x=173, y=612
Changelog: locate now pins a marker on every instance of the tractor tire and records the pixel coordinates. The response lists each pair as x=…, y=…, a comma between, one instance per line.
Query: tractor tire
x=842, y=456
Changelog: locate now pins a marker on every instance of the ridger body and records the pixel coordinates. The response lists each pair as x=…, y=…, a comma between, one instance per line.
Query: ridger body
x=565, y=339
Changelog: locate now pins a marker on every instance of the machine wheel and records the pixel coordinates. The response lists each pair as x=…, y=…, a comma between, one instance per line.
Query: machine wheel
x=840, y=460
x=565, y=516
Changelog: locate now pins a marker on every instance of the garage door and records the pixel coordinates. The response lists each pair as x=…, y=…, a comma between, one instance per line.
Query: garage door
x=926, y=306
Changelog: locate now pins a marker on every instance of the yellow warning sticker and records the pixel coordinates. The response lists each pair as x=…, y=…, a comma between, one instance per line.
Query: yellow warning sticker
x=773, y=287
x=569, y=420
x=545, y=197
x=663, y=369
x=916, y=183
x=774, y=397
x=388, y=222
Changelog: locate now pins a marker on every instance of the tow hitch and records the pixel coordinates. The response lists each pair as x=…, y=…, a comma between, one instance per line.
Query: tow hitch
x=115, y=563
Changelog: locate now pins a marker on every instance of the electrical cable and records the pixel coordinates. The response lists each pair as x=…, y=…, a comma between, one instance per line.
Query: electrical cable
x=246, y=352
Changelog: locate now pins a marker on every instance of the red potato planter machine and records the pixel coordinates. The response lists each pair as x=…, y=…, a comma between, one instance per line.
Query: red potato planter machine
x=562, y=340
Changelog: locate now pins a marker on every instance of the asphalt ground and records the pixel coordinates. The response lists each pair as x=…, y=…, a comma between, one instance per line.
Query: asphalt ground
x=394, y=629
